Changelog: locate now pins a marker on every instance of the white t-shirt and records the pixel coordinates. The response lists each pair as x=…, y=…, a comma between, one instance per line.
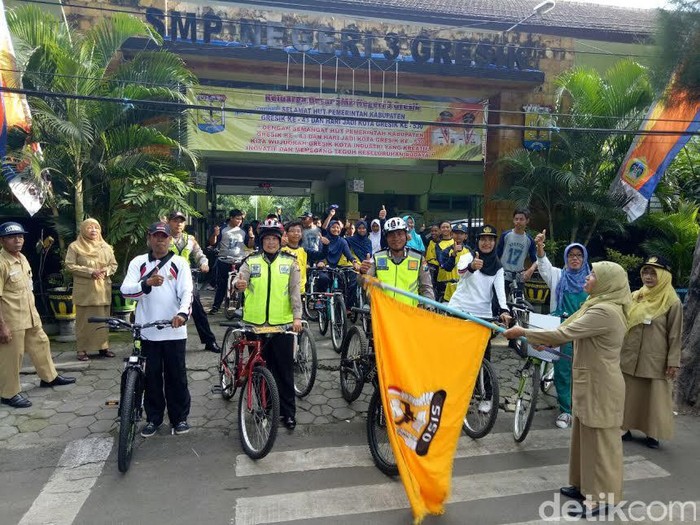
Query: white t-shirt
x=473, y=294
x=232, y=243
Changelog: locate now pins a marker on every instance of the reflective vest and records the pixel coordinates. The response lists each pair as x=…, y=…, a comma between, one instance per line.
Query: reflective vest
x=267, y=295
x=186, y=251
x=404, y=275
x=300, y=255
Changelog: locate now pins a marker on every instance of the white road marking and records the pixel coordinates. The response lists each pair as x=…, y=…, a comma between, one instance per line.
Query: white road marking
x=64, y=494
x=359, y=456
x=345, y=501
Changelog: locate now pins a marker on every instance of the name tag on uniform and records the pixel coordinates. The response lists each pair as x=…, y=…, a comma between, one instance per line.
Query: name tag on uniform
x=255, y=270
x=413, y=265
x=382, y=263
x=284, y=268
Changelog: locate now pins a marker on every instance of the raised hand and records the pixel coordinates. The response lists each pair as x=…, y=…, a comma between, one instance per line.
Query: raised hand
x=366, y=264
x=382, y=213
x=540, y=239
x=477, y=264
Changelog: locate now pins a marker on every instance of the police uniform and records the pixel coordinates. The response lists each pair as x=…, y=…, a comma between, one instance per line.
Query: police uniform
x=273, y=298
x=21, y=317
x=408, y=272
x=186, y=246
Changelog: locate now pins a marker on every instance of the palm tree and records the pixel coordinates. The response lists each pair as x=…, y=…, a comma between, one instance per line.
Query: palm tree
x=92, y=145
x=571, y=180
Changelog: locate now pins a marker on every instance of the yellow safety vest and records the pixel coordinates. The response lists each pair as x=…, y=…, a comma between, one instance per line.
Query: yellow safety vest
x=300, y=255
x=186, y=251
x=267, y=295
x=404, y=276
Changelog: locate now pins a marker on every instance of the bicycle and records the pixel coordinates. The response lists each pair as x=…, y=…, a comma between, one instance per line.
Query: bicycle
x=308, y=300
x=259, y=403
x=305, y=361
x=233, y=300
x=131, y=387
x=537, y=372
x=333, y=313
x=356, y=360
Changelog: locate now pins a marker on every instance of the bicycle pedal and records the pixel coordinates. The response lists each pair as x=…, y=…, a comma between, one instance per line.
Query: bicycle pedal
x=216, y=389
x=112, y=403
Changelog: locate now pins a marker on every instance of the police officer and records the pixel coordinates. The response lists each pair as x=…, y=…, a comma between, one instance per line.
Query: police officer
x=20, y=325
x=400, y=266
x=186, y=246
x=271, y=281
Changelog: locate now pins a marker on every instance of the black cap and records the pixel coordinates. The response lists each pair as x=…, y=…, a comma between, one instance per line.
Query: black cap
x=487, y=231
x=159, y=227
x=176, y=215
x=658, y=261
x=460, y=227
x=11, y=228
x=307, y=214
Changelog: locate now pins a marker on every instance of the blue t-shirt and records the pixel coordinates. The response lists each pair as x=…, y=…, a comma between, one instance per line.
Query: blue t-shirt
x=513, y=249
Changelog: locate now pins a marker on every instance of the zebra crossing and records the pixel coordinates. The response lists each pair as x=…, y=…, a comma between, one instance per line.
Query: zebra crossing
x=328, y=503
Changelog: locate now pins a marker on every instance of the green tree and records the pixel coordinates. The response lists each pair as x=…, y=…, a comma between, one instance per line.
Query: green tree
x=681, y=182
x=570, y=181
x=96, y=150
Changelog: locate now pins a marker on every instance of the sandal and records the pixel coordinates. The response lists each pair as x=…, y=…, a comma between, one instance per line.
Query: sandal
x=106, y=353
x=82, y=356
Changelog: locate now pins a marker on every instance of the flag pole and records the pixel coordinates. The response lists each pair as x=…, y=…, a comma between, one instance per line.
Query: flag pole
x=452, y=311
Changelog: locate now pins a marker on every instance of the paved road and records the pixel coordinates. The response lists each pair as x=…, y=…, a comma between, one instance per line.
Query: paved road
x=58, y=461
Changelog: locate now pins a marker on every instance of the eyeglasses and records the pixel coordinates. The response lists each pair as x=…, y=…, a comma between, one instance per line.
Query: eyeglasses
x=575, y=256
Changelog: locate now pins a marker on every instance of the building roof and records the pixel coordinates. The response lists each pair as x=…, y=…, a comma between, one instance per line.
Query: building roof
x=574, y=19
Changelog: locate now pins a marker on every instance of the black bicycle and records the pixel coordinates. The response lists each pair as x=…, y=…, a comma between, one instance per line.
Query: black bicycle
x=132, y=386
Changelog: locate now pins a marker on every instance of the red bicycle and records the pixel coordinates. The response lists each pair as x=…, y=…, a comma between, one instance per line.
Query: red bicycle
x=242, y=365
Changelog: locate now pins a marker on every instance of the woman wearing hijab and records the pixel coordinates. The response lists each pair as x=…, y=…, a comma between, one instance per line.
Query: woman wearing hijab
x=360, y=243
x=336, y=253
x=415, y=241
x=375, y=236
x=480, y=275
x=651, y=354
x=597, y=329
x=91, y=261
x=567, y=295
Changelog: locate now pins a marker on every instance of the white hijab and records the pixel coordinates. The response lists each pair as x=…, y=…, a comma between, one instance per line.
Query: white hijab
x=376, y=237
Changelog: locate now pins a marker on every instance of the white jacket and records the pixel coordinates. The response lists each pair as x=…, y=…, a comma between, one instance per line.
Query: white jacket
x=474, y=290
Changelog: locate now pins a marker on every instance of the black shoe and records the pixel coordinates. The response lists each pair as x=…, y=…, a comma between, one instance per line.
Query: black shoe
x=213, y=310
x=16, y=401
x=59, y=381
x=584, y=512
x=652, y=443
x=289, y=422
x=213, y=347
x=627, y=436
x=572, y=492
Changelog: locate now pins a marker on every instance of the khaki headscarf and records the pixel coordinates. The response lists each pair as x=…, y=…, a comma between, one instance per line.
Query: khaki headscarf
x=611, y=286
x=650, y=303
x=87, y=247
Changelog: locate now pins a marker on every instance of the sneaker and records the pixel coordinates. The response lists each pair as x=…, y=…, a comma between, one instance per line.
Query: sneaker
x=149, y=430
x=564, y=420
x=485, y=406
x=213, y=310
x=182, y=428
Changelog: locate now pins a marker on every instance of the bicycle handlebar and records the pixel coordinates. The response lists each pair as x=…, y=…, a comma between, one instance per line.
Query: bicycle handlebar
x=115, y=321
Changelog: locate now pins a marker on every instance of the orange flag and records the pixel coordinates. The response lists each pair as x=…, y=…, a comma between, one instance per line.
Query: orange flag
x=427, y=366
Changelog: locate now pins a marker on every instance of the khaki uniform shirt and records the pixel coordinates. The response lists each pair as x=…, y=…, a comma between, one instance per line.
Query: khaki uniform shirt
x=86, y=290
x=16, y=293
x=598, y=388
x=650, y=348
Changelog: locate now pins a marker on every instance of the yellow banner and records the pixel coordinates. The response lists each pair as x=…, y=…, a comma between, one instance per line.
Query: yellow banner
x=426, y=376
x=312, y=124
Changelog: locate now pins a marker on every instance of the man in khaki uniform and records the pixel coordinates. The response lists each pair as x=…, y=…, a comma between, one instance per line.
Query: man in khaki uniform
x=20, y=325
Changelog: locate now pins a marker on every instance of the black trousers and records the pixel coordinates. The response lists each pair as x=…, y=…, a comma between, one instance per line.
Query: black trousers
x=278, y=352
x=166, y=381
x=221, y=269
x=201, y=322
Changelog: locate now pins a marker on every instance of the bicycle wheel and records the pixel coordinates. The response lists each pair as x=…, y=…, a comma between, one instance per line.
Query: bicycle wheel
x=305, y=363
x=355, y=348
x=323, y=318
x=522, y=318
x=546, y=377
x=232, y=305
x=483, y=407
x=228, y=363
x=129, y=412
x=377, y=437
x=526, y=403
x=340, y=322
x=309, y=303
x=258, y=413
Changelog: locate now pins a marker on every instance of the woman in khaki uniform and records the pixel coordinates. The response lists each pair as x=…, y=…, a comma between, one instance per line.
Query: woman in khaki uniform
x=651, y=354
x=597, y=330
x=91, y=261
